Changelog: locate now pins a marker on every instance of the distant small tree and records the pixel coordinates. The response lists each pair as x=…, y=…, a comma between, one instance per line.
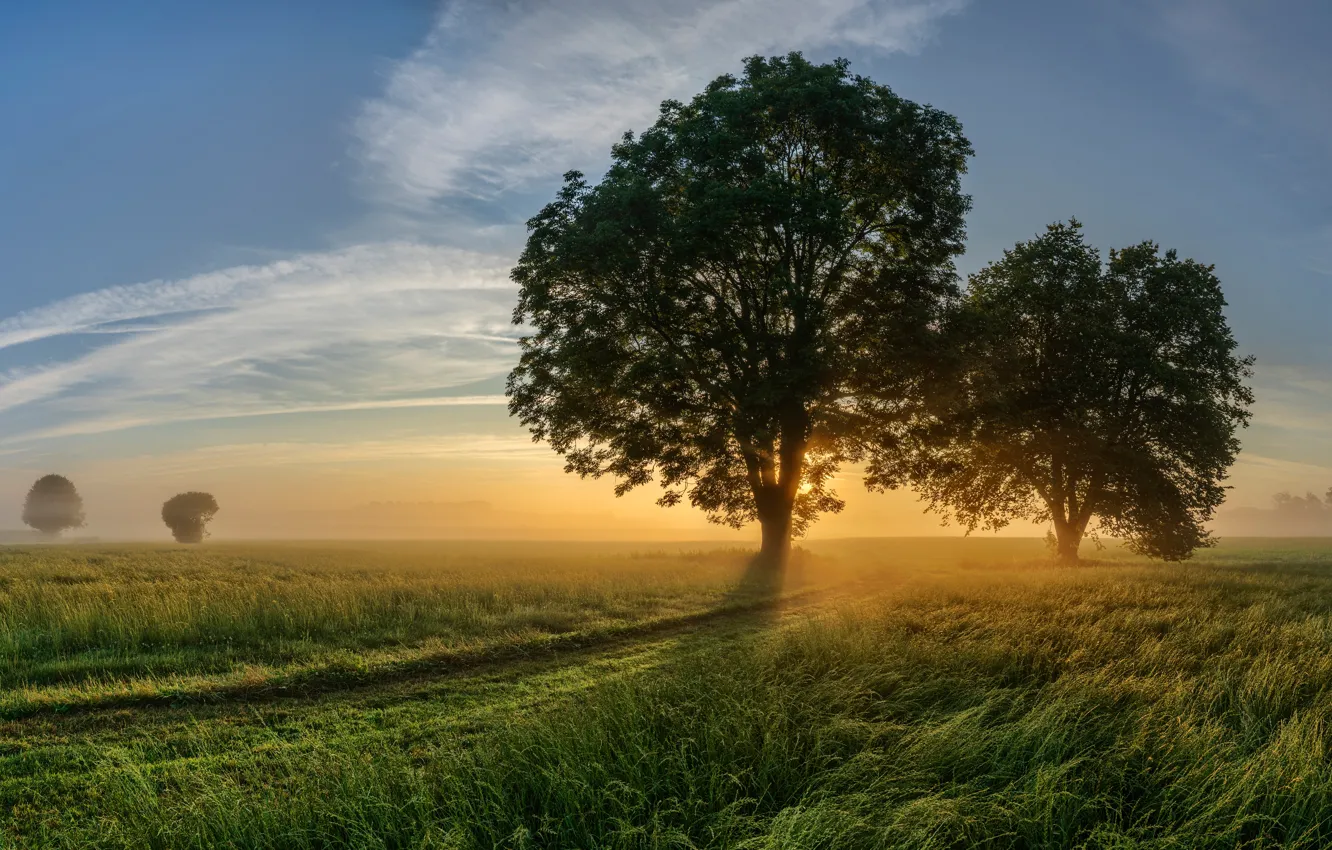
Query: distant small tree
x=1086, y=391
x=188, y=515
x=53, y=505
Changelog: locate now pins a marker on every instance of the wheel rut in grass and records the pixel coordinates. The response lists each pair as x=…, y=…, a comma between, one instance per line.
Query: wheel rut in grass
x=324, y=680
x=397, y=716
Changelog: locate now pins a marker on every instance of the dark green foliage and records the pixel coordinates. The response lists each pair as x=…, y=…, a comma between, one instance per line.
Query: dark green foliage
x=53, y=505
x=188, y=515
x=1087, y=391
x=751, y=283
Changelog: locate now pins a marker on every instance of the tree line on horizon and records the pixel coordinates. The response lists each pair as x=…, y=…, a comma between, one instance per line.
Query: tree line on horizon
x=53, y=505
x=762, y=290
x=1308, y=505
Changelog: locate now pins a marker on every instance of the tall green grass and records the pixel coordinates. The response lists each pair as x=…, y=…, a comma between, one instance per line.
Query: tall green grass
x=78, y=616
x=1114, y=706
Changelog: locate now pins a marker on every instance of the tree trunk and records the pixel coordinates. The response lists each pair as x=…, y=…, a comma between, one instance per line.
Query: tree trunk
x=775, y=486
x=1071, y=507
x=1068, y=537
x=774, y=515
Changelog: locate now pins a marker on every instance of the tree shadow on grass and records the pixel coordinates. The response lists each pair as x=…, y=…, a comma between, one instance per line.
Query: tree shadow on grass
x=764, y=588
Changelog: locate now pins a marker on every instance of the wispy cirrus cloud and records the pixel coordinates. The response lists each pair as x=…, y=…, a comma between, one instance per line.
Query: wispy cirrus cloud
x=504, y=95
x=405, y=267
x=370, y=326
x=105, y=424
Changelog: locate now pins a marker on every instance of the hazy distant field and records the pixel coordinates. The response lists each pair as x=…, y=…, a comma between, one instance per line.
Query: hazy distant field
x=897, y=694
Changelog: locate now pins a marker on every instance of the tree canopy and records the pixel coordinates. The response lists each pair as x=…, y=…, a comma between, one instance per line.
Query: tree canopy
x=53, y=505
x=1086, y=391
x=754, y=282
x=188, y=515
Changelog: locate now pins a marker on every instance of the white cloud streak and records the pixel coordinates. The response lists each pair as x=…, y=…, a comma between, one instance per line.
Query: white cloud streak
x=103, y=425
x=368, y=327
x=473, y=448
x=543, y=86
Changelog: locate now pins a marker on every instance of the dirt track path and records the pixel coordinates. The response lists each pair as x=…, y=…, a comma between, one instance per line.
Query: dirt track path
x=424, y=701
x=313, y=682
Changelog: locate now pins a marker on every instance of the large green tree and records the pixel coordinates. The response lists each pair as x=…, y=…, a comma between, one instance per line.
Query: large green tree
x=1086, y=392
x=755, y=279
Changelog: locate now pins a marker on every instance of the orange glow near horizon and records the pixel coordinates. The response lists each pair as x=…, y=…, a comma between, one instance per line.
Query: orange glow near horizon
x=314, y=475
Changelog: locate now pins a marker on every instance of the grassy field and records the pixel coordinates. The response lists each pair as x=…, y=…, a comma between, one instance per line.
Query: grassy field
x=892, y=694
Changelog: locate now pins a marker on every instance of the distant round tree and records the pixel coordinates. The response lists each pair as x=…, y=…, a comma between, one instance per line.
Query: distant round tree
x=188, y=514
x=53, y=505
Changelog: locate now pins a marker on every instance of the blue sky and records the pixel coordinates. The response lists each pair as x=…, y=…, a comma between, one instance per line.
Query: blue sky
x=250, y=242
